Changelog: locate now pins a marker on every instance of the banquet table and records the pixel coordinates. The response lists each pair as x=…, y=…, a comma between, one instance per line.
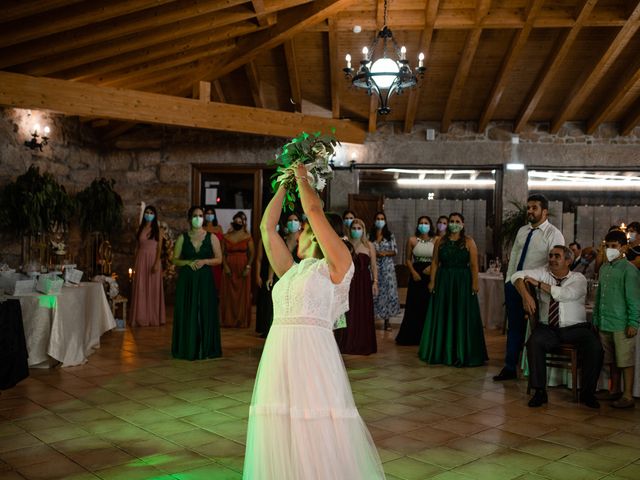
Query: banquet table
x=66, y=327
x=491, y=300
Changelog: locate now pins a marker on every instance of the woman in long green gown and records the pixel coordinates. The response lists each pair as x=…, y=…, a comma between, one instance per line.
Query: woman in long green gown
x=453, y=332
x=196, y=323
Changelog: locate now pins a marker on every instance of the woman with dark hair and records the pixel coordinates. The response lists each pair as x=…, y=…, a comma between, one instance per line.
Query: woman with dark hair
x=632, y=251
x=386, y=304
x=347, y=217
x=266, y=278
x=196, y=326
x=453, y=332
x=359, y=336
x=419, y=253
x=441, y=225
x=147, y=303
x=211, y=226
x=238, y=253
x=303, y=422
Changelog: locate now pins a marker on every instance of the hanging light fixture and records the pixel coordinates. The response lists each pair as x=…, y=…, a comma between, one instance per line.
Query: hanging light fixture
x=384, y=76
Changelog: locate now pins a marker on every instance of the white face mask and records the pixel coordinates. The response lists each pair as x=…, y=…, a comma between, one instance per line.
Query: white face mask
x=612, y=254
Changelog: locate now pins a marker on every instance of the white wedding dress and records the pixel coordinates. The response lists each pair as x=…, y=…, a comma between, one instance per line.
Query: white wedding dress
x=303, y=422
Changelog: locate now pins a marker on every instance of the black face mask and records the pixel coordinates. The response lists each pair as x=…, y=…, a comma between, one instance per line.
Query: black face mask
x=237, y=226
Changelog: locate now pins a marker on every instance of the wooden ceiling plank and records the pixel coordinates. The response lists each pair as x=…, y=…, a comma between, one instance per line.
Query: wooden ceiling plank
x=430, y=15
x=630, y=80
x=552, y=65
x=380, y=14
x=122, y=77
x=63, y=19
x=590, y=80
x=146, y=39
x=290, y=23
x=460, y=78
x=90, y=71
x=254, y=84
x=21, y=9
x=515, y=48
x=218, y=92
x=335, y=70
x=97, y=34
x=74, y=98
x=294, y=78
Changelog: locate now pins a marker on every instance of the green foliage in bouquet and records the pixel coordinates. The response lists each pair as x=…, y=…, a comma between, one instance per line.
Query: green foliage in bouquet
x=100, y=207
x=314, y=152
x=34, y=203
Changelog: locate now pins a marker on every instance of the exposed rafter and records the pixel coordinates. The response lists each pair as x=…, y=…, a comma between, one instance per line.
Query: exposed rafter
x=74, y=98
x=294, y=79
x=373, y=113
x=254, y=84
x=336, y=76
x=553, y=64
x=261, y=17
x=218, y=93
x=586, y=85
x=632, y=119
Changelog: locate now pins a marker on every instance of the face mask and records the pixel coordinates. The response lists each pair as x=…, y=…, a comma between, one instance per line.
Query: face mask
x=356, y=234
x=236, y=226
x=612, y=254
x=632, y=236
x=348, y=222
x=209, y=217
x=442, y=227
x=424, y=228
x=148, y=217
x=197, y=221
x=455, y=227
x=293, y=226
x=380, y=224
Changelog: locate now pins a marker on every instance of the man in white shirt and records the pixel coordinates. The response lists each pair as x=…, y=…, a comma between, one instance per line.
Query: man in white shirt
x=530, y=249
x=560, y=307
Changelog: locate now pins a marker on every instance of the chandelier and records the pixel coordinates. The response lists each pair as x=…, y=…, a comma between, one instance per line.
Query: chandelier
x=384, y=76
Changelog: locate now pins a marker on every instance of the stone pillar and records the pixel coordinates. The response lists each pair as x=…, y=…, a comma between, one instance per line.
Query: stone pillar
x=343, y=183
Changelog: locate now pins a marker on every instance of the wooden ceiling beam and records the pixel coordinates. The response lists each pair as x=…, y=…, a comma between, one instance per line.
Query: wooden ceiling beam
x=96, y=35
x=334, y=66
x=607, y=106
x=468, y=53
x=146, y=39
x=254, y=84
x=430, y=15
x=380, y=14
x=552, y=65
x=91, y=71
x=515, y=48
x=122, y=77
x=20, y=9
x=63, y=19
x=632, y=119
x=218, y=93
x=202, y=91
x=261, y=17
x=590, y=80
x=294, y=78
x=74, y=98
x=373, y=113
x=290, y=23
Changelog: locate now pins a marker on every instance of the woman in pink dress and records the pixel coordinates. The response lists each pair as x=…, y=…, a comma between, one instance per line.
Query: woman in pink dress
x=147, y=305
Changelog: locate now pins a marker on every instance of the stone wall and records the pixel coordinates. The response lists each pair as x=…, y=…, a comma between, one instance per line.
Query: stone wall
x=153, y=164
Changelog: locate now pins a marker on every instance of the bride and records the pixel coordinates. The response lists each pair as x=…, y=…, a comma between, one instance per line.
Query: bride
x=303, y=423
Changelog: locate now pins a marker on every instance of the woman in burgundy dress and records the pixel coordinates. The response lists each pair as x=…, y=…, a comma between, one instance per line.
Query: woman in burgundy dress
x=147, y=304
x=211, y=226
x=359, y=336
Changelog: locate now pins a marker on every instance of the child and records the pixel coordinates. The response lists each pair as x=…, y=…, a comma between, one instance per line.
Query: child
x=616, y=314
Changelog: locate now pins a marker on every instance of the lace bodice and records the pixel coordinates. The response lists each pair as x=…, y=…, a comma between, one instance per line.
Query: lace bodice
x=305, y=295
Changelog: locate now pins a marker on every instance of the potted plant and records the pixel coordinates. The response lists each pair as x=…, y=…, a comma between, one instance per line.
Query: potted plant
x=100, y=207
x=512, y=222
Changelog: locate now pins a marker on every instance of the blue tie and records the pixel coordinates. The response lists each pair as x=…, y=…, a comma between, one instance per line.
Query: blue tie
x=524, y=250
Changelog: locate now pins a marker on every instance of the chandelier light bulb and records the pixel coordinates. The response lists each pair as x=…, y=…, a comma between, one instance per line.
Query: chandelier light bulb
x=385, y=66
x=420, y=60
x=403, y=53
x=365, y=53
x=348, y=59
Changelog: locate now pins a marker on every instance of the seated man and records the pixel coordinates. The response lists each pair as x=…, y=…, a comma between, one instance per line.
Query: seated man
x=562, y=319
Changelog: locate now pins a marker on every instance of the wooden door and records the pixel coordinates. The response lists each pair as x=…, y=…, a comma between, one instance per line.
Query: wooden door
x=365, y=206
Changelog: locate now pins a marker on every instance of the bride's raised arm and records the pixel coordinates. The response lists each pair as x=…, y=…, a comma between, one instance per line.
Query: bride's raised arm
x=335, y=251
x=279, y=255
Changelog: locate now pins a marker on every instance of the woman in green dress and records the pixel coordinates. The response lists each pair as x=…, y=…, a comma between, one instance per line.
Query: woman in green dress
x=453, y=332
x=196, y=323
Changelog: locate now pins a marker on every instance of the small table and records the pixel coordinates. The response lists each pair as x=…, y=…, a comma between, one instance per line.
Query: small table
x=491, y=300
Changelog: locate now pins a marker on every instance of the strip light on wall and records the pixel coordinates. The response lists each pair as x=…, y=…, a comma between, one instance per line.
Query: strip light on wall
x=434, y=182
x=582, y=180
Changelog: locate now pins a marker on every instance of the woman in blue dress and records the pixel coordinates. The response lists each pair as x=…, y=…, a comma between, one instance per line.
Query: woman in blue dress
x=386, y=303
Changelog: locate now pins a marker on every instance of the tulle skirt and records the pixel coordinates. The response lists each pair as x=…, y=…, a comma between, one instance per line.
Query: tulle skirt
x=303, y=423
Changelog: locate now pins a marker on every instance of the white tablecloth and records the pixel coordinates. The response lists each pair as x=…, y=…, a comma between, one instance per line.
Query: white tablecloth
x=491, y=300
x=65, y=327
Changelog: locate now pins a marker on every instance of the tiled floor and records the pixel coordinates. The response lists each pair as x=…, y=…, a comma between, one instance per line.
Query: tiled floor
x=134, y=413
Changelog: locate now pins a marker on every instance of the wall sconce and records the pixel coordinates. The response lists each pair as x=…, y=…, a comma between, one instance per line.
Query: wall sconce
x=34, y=143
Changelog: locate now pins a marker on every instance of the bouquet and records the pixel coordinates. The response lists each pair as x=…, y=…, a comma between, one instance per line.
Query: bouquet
x=315, y=153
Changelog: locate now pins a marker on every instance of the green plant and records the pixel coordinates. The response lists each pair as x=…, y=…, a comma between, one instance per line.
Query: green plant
x=512, y=222
x=34, y=203
x=100, y=207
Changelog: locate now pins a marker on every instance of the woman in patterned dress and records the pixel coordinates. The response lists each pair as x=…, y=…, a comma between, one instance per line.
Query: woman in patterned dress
x=386, y=303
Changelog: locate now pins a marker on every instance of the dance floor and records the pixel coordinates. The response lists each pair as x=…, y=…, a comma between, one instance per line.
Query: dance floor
x=134, y=413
